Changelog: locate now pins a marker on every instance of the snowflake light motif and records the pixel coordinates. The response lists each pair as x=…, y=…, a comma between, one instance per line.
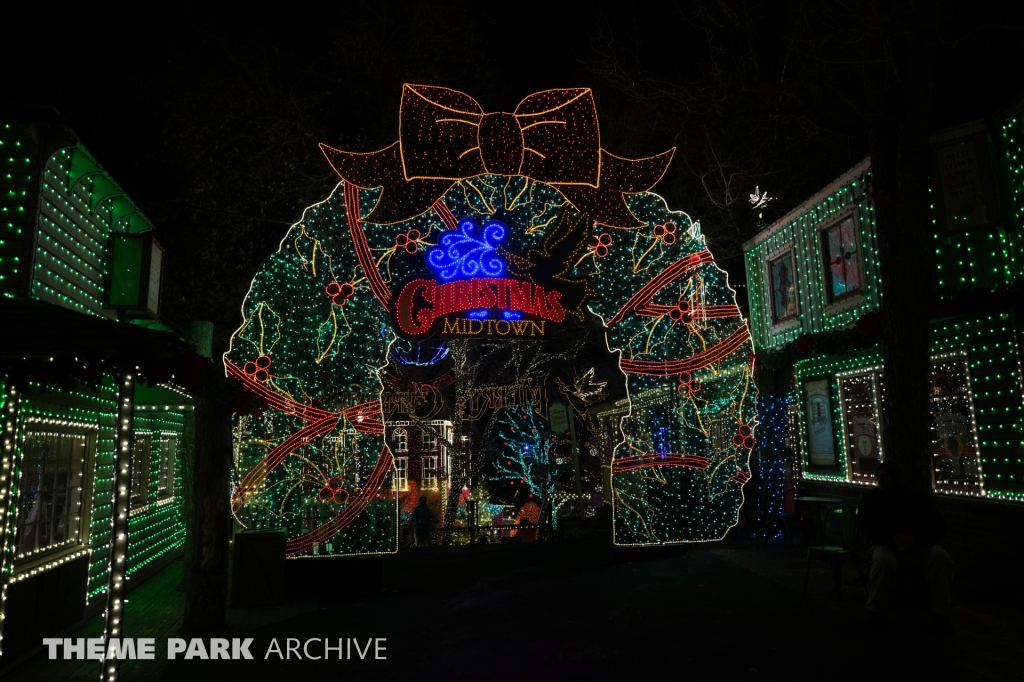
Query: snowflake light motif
x=466, y=254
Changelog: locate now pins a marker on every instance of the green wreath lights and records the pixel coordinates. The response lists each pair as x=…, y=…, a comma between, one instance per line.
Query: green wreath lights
x=580, y=236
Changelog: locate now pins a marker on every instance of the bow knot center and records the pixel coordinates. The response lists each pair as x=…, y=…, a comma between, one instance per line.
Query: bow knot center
x=501, y=143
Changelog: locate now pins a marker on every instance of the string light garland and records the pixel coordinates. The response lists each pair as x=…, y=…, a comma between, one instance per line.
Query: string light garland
x=8, y=469
x=80, y=208
x=113, y=613
x=990, y=257
x=860, y=386
x=15, y=164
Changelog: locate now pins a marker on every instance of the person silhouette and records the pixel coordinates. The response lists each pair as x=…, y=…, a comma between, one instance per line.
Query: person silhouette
x=422, y=520
x=903, y=528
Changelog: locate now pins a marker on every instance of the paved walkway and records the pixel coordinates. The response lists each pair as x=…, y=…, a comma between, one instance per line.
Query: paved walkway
x=586, y=609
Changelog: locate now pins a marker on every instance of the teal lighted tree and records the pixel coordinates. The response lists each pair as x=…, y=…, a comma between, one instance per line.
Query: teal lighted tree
x=524, y=452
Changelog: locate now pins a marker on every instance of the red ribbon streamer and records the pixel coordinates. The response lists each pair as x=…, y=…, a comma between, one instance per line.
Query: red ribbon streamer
x=673, y=272
x=365, y=418
x=665, y=368
x=446, y=215
x=650, y=460
x=706, y=312
x=362, y=248
x=362, y=499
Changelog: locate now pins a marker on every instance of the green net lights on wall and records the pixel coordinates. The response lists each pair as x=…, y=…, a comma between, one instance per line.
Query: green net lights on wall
x=352, y=276
x=976, y=406
x=798, y=234
x=1013, y=143
x=92, y=414
x=989, y=254
x=976, y=400
x=993, y=375
x=80, y=208
x=153, y=532
x=156, y=527
x=15, y=171
x=831, y=368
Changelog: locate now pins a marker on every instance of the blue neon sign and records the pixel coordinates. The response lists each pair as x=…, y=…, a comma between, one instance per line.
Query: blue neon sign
x=468, y=252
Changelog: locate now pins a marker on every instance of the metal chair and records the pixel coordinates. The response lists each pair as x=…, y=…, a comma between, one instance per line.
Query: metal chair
x=839, y=536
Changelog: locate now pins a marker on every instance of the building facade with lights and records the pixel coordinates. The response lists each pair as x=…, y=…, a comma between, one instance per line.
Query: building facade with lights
x=90, y=478
x=421, y=468
x=813, y=279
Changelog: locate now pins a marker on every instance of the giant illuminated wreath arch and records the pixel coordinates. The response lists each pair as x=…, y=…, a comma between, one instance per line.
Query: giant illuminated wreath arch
x=472, y=222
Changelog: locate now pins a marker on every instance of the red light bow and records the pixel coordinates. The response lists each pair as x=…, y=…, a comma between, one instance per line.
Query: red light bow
x=445, y=136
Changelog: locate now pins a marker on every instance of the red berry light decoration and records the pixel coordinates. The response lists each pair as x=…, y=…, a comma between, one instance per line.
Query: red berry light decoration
x=682, y=312
x=340, y=293
x=600, y=244
x=407, y=241
x=744, y=437
x=257, y=368
x=666, y=232
x=262, y=365
x=688, y=384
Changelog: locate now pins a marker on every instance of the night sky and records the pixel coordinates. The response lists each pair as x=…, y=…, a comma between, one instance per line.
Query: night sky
x=210, y=120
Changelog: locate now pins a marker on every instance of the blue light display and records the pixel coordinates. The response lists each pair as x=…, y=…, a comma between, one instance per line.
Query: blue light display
x=420, y=353
x=773, y=429
x=468, y=252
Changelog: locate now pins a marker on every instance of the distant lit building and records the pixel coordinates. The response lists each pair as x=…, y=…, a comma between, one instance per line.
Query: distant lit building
x=421, y=467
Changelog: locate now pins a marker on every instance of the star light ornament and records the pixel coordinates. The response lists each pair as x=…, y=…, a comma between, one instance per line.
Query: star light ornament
x=758, y=200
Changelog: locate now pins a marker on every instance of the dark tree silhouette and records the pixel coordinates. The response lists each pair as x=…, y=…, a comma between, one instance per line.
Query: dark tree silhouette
x=787, y=96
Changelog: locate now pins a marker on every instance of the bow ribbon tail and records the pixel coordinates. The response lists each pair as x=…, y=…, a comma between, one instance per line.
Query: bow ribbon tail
x=400, y=199
x=619, y=176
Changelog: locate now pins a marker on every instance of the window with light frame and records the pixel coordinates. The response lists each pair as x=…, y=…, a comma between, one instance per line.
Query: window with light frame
x=841, y=261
